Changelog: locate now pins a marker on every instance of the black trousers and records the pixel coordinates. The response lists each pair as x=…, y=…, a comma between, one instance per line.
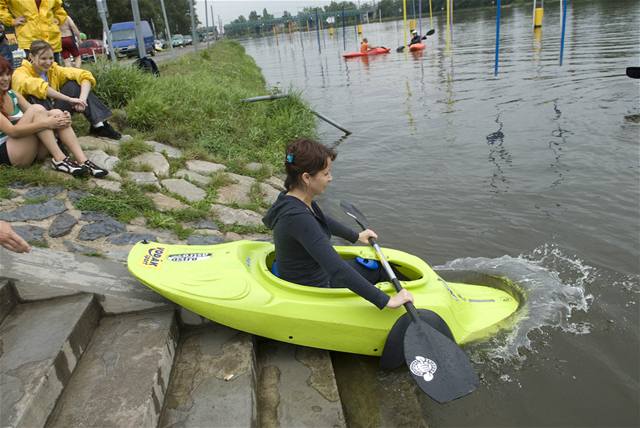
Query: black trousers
x=95, y=112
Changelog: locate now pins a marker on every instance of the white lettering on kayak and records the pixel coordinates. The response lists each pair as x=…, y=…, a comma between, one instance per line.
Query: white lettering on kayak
x=189, y=257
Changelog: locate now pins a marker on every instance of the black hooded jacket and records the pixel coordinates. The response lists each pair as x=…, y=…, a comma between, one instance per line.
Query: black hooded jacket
x=304, y=251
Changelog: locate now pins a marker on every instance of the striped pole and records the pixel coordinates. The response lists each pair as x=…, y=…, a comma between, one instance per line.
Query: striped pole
x=344, y=34
x=495, y=67
x=430, y=15
x=318, y=30
x=420, y=17
x=563, y=3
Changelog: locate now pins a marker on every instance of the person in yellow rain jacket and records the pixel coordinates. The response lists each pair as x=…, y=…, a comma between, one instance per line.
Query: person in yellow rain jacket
x=33, y=20
x=41, y=81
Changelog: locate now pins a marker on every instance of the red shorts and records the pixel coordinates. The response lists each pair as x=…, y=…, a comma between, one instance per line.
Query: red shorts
x=69, y=47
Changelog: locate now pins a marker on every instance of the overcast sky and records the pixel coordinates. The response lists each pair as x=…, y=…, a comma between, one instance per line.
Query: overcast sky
x=231, y=9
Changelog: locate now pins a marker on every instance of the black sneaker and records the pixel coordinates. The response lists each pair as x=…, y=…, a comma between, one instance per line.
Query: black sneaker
x=69, y=166
x=105, y=131
x=94, y=169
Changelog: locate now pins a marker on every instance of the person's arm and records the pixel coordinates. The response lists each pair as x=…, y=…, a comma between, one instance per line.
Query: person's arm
x=22, y=102
x=10, y=240
x=338, y=229
x=5, y=15
x=77, y=102
x=58, y=11
x=74, y=28
x=310, y=235
x=21, y=129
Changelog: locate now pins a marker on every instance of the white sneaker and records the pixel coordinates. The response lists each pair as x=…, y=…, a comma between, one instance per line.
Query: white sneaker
x=69, y=166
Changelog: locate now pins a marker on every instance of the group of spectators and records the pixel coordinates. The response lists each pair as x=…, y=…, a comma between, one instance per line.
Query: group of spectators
x=38, y=98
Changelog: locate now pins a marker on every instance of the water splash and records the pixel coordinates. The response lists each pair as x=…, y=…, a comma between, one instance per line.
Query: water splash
x=553, y=284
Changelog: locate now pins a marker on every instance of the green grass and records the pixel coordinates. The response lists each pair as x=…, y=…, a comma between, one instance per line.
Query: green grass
x=196, y=105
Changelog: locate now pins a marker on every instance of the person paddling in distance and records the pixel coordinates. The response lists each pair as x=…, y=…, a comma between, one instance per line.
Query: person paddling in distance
x=44, y=82
x=364, y=46
x=415, y=38
x=302, y=232
x=28, y=132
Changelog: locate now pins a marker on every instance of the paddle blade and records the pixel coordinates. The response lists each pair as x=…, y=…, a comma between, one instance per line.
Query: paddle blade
x=440, y=368
x=430, y=32
x=393, y=353
x=633, y=72
x=353, y=212
x=400, y=49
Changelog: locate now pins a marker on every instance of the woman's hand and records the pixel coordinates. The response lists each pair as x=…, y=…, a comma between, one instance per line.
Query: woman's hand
x=59, y=120
x=400, y=299
x=19, y=21
x=365, y=235
x=78, y=104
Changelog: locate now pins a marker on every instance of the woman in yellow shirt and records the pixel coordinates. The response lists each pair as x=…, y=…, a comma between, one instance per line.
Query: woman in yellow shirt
x=41, y=81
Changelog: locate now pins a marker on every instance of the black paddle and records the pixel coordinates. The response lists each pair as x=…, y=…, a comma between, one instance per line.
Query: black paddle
x=429, y=33
x=436, y=363
x=633, y=72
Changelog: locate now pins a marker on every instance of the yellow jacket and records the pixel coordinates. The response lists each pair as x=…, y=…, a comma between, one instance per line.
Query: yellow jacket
x=40, y=23
x=26, y=81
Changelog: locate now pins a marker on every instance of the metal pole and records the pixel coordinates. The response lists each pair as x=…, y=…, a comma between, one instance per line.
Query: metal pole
x=495, y=67
x=318, y=30
x=142, y=49
x=102, y=11
x=194, y=34
x=206, y=22
x=420, y=17
x=344, y=36
x=564, y=26
x=166, y=25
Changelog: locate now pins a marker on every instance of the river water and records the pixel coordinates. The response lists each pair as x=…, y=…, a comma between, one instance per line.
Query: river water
x=533, y=174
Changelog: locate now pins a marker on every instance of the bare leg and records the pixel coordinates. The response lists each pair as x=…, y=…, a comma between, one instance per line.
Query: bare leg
x=77, y=62
x=22, y=151
x=37, y=113
x=69, y=139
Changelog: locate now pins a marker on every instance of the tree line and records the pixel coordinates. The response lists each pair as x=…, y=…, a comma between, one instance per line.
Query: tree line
x=85, y=15
x=256, y=23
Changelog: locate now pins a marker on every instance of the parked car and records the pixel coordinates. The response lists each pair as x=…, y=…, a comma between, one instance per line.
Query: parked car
x=188, y=40
x=124, y=38
x=177, y=40
x=90, y=49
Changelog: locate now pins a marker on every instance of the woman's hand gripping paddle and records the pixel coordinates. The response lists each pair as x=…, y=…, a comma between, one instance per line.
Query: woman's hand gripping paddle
x=429, y=33
x=436, y=363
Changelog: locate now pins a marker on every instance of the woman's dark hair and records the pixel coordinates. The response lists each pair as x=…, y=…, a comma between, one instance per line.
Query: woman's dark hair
x=304, y=155
x=5, y=67
x=39, y=46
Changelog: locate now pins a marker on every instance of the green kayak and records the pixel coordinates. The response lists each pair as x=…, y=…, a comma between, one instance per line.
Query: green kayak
x=232, y=284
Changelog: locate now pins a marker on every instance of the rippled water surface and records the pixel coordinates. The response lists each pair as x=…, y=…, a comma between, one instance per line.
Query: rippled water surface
x=533, y=174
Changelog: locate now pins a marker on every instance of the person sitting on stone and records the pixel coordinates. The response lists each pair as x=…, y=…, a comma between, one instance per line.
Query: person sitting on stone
x=28, y=132
x=44, y=82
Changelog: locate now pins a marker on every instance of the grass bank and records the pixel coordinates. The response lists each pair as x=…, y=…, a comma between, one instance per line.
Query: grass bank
x=194, y=105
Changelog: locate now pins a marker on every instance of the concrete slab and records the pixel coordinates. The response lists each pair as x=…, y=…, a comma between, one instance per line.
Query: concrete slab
x=44, y=274
x=41, y=344
x=7, y=299
x=297, y=387
x=122, y=378
x=213, y=383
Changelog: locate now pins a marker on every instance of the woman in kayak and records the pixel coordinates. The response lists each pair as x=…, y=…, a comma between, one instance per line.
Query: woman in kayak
x=302, y=232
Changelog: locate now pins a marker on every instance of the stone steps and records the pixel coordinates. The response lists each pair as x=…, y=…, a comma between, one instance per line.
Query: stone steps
x=41, y=345
x=96, y=348
x=122, y=379
x=213, y=380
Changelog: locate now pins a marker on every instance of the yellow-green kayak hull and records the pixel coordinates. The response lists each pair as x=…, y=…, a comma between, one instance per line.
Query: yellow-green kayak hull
x=232, y=284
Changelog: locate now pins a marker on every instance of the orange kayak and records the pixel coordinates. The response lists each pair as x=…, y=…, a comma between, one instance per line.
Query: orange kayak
x=417, y=47
x=374, y=51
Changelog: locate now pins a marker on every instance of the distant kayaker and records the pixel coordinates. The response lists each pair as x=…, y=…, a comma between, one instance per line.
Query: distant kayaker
x=302, y=232
x=364, y=46
x=415, y=38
